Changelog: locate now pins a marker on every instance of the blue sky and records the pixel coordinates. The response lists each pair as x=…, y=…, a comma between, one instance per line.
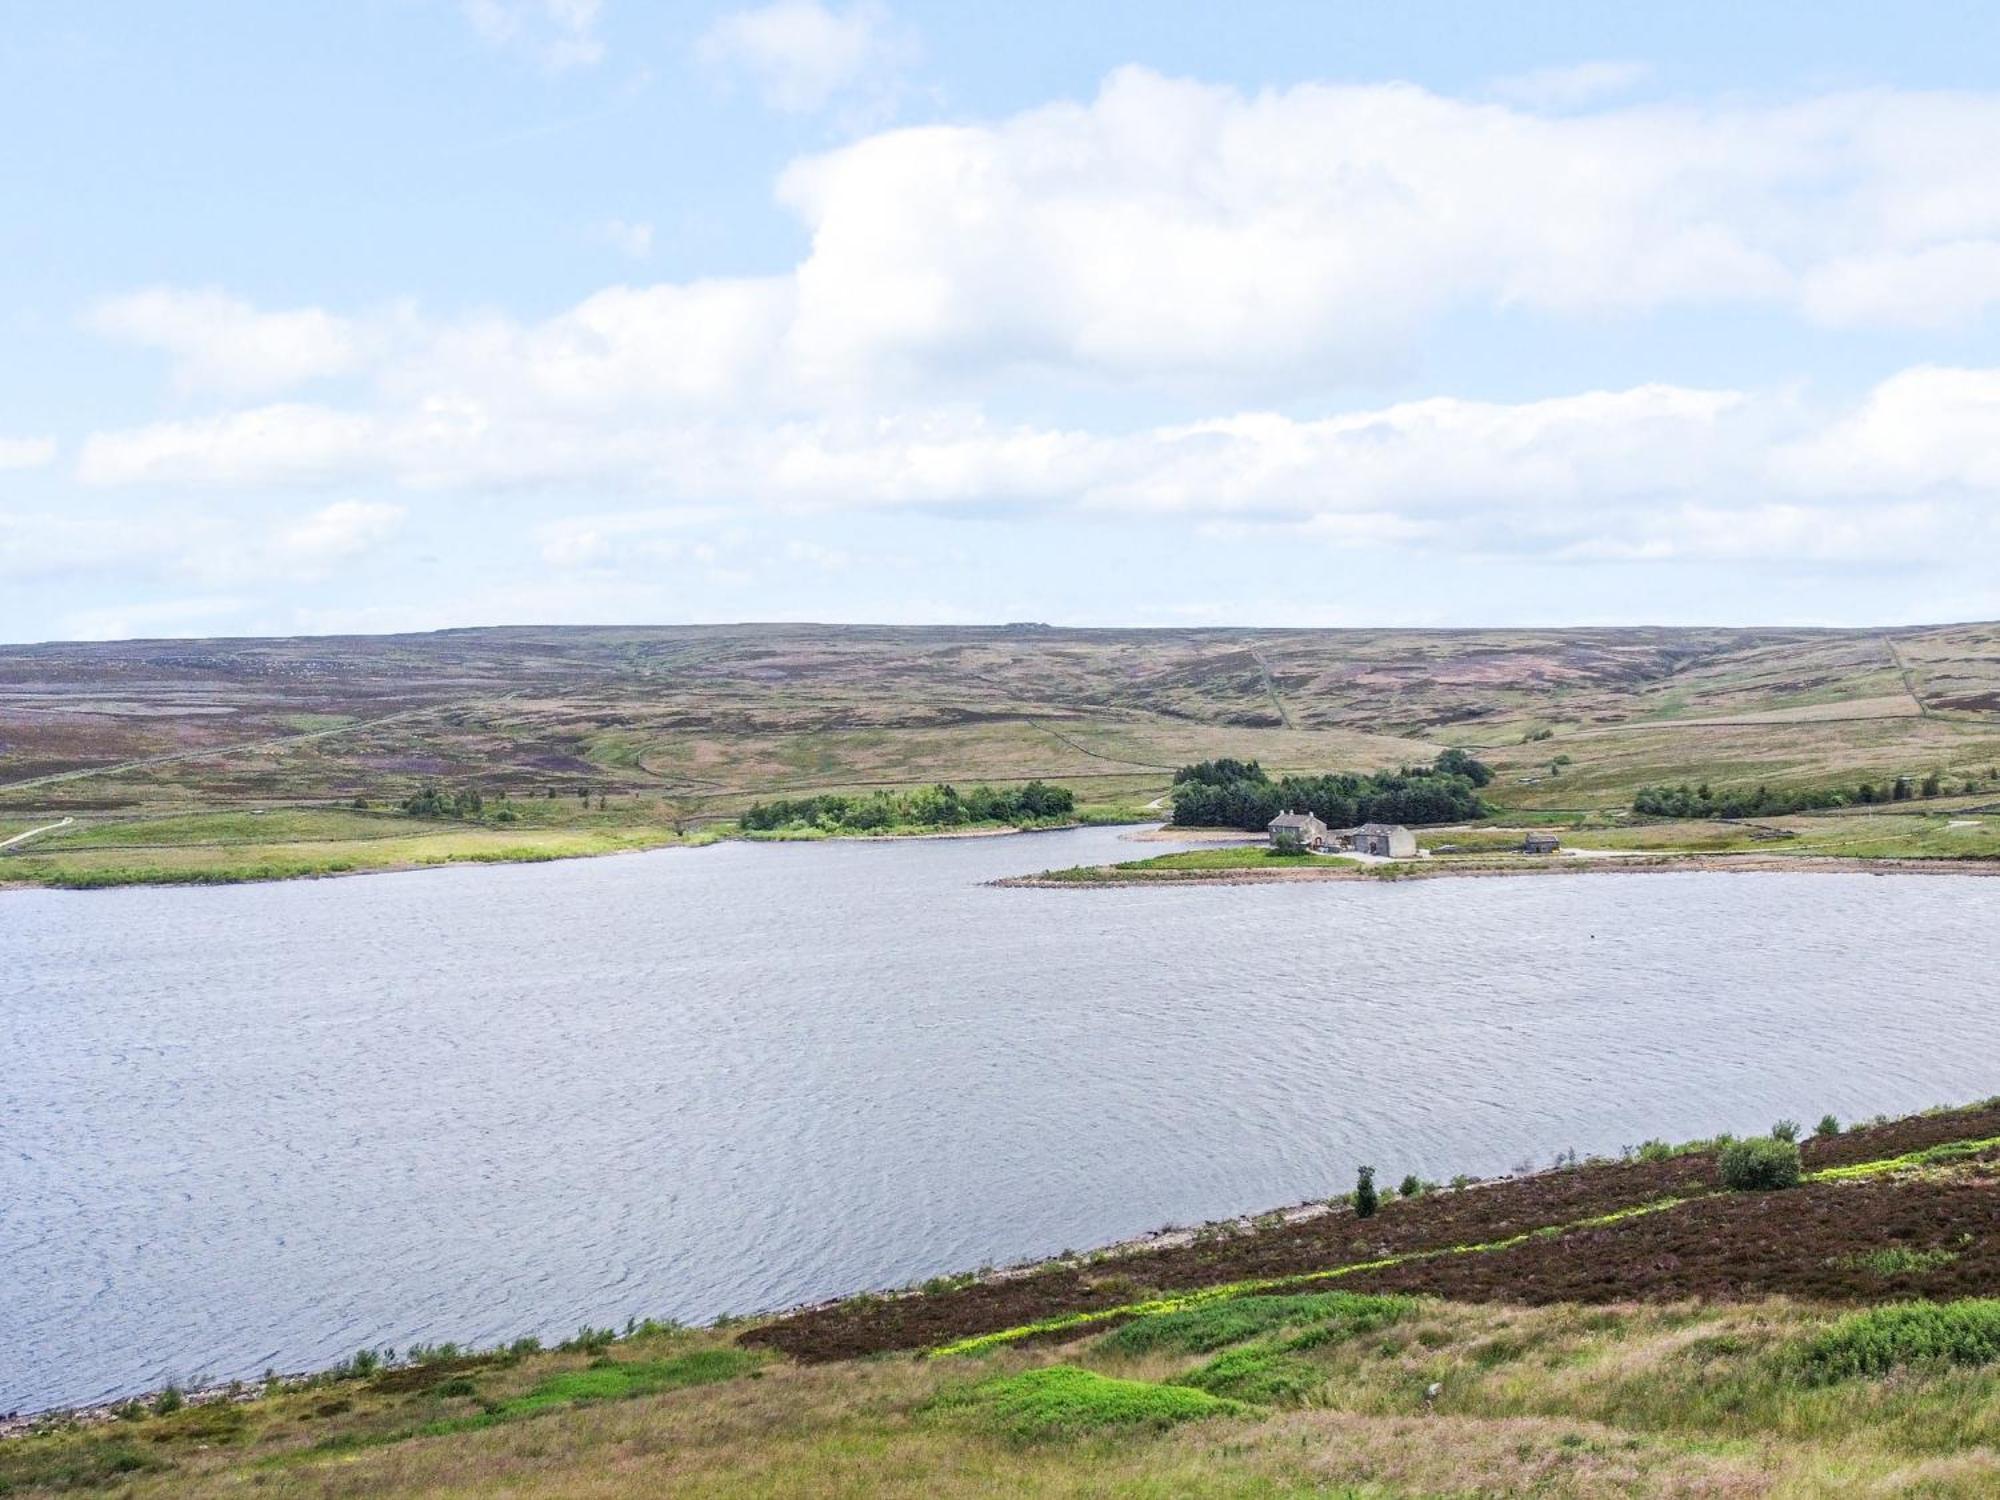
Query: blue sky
x=398, y=314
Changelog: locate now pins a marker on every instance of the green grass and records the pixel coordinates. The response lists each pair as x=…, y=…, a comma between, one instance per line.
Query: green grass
x=71, y=1463
x=1063, y=1401
x=1935, y=1156
x=1257, y=1375
x=1881, y=1339
x=1200, y=1330
x=1898, y=1260
x=612, y=1380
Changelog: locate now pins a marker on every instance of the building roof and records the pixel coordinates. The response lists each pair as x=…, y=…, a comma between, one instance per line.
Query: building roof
x=1294, y=820
x=1382, y=828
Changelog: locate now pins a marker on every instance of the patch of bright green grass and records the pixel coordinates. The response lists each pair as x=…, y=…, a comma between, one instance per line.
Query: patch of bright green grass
x=1216, y=1325
x=1261, y=1375
x=1965, y=1332
x=1064, y=1401
x=1898, y=1260
x=1932, y=1157
x=617, y=1380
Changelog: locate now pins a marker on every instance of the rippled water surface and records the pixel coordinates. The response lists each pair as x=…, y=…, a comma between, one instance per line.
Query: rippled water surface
x=264, y=1125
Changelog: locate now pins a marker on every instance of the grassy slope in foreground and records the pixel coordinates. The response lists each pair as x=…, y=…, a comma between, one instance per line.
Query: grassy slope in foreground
x=1341, y=1389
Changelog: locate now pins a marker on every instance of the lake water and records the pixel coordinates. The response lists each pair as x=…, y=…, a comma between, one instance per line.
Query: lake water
x=262, y=1126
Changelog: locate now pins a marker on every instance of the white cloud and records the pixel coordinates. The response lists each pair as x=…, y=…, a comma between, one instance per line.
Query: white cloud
x=1248, y=253
x=1648, y=471
x=210, y=547
x=220, y=343
x=1922, y=431
x=560, y=33
x=1933, y=287
x=1239, y=249
x=1572, y=86
x=590, y=540
x=289, y=444
x=800, y=53
x=27, y=452
x=345, y=529
x=628, y=239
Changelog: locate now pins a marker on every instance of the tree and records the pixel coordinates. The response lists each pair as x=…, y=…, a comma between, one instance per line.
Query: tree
x=1365, y=1201
x=1456, y=762
x=1760, y=1164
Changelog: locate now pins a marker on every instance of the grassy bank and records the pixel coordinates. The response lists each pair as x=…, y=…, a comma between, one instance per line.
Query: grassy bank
x=1959, y=836
x=283, y=843
x=1624, y=1381
x=290, y=842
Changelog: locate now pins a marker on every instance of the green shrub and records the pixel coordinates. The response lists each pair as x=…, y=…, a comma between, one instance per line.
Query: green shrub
x=1828, y=1125
x=1760, y=1163
x=1064, y=1401
x=1365, y=1201
x=167, y=1402
x=1966, y=1332
x=1410, y=1186
x=1785, y=1130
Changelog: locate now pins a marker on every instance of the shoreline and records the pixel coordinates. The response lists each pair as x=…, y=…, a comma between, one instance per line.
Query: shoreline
x=1101, y=877
x=529, y=857
x=1167, y=1238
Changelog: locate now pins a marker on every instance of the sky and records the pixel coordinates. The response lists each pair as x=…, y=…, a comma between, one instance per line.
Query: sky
x=378, y=315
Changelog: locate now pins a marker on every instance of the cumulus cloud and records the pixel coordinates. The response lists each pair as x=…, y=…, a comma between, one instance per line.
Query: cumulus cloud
x=800, y=54
x=1251, y=253
x=27, y=452
x=220, y=343
x=1646, y=471
x=561, y=33
x=1241, y=248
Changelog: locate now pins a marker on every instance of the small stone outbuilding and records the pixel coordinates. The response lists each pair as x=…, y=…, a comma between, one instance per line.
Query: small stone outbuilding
x=1385, y=841
x=1540, y=843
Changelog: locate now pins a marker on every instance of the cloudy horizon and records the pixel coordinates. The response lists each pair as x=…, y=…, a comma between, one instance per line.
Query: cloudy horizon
x=423, y=314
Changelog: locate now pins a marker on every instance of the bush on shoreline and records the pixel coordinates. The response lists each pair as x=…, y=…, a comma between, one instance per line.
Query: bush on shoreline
x=1760, y=1163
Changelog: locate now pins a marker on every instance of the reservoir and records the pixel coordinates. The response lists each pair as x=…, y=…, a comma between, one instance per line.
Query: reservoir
x=265, y=1125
